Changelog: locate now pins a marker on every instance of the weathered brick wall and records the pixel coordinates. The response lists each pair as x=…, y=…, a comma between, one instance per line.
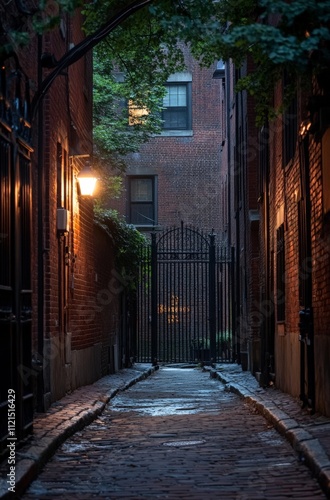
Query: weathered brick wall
x=285, y=193
x=320, y=280
x=109, y=290
x=84, y=319
x=283, y=209
x=66, y=126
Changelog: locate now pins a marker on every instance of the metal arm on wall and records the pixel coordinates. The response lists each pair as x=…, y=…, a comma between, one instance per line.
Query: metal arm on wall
x=83, y=47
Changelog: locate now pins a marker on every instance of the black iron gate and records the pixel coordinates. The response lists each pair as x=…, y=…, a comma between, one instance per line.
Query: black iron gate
x=185, y=309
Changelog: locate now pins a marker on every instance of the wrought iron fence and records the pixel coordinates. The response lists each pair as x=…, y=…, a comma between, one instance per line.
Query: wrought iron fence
x=184, y=303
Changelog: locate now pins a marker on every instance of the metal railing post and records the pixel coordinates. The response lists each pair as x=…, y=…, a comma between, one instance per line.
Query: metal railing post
x=212, y=299
x=154, y=295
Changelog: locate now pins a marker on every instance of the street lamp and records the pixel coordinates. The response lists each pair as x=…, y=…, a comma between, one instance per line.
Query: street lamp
x=86, y=181
x=220, y=70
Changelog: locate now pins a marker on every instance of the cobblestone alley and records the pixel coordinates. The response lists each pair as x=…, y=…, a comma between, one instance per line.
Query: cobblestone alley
x=176, y=435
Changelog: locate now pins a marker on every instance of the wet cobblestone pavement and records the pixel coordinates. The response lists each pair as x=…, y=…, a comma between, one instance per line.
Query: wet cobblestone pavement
x=178, y=434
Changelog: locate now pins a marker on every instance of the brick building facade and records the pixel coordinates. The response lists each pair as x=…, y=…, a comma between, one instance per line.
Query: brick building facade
x=182, y=164
x=239, y=160
x=60, y=301
x=265, y=191
x=175, y=189
x=282, y=243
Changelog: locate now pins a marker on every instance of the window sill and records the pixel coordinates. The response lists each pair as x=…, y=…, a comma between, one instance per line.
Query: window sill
x=176, y=133
x=144, y=227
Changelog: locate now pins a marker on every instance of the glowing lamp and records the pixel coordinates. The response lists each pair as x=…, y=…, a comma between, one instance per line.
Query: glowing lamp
x=86, y=181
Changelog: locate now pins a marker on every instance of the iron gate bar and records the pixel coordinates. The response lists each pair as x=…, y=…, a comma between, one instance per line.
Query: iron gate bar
x=212, y=296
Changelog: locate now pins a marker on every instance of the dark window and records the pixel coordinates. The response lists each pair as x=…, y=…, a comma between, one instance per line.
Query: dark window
x=142, y=206
x=280, y=273
x=176, y=114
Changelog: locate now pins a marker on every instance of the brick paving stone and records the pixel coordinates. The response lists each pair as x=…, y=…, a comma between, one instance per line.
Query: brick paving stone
x=308, y=434
x=177, y=435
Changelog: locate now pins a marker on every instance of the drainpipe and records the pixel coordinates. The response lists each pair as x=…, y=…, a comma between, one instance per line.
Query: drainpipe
x=267, y=350
x=227, y=83
x=306, y=324
x=234, y=270
x=238, y=246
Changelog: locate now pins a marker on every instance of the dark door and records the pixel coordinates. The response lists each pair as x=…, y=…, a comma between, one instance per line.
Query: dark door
x=15, y=288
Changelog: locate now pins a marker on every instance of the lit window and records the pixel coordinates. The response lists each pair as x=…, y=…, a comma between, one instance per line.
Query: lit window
x=136, y=113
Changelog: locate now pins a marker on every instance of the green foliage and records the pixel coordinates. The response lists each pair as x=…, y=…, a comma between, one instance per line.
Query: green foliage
x=296, y=41
x=137, y=51
x=109, y=186
x=128, y=244
x=113, y=136
x=276, y=34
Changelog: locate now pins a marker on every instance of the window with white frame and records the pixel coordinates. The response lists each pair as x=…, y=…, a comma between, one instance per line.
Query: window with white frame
x=176, y=114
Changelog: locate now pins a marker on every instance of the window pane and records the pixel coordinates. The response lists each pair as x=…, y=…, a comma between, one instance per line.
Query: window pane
x=142, y=213
x=141, y=190
x=176, y=95
x=175, y=119
x=176, y=112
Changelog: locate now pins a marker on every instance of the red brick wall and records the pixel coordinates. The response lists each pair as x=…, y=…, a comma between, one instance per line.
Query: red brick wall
x=285, y=191
x=320, y=280
x=66, y=125
x=109, y=292
x=84, y=321
x=188, y=168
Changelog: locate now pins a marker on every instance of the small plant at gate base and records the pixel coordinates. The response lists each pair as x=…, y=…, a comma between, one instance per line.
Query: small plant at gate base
x=204, y=342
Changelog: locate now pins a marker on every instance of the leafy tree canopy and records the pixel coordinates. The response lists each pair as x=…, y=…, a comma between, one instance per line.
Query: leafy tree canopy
x=275, y=34
x=144, y=46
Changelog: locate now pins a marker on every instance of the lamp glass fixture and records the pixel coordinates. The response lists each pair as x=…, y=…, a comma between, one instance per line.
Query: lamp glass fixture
x=304, y=127
x=87, y=181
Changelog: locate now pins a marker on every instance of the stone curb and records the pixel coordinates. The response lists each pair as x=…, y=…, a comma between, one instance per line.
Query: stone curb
x=309, y=449
x=34, y=458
